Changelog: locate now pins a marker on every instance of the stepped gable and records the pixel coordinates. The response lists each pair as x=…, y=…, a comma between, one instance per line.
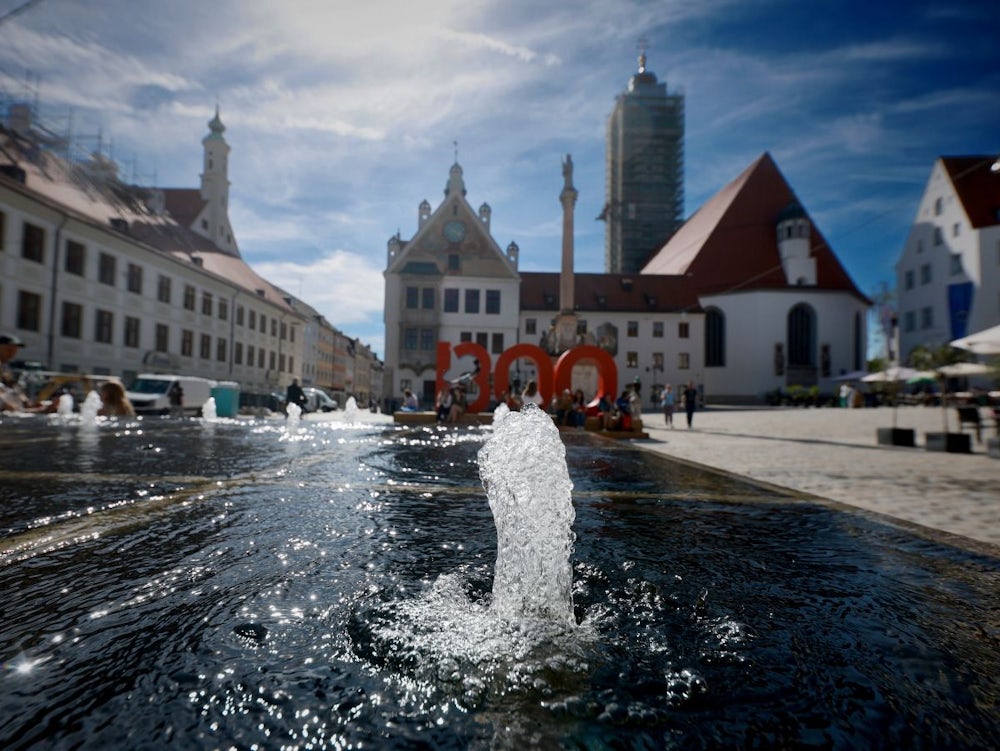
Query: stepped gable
x=977, y=187
x=730, y=244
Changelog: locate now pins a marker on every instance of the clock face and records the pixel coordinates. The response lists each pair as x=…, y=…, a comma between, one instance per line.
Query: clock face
x=454, y=231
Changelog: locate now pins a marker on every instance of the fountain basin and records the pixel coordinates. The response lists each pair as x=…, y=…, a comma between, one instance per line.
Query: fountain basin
x=170, y=584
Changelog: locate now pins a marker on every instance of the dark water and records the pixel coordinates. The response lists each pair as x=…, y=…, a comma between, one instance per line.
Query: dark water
x=169, y=584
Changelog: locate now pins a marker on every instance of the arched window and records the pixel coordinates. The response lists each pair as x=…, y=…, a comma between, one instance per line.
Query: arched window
x=715, y=338
x=801, y=336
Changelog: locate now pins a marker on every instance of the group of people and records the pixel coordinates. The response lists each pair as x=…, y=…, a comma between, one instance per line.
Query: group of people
x=688, y=399
x=114, y=400
x=451, y=403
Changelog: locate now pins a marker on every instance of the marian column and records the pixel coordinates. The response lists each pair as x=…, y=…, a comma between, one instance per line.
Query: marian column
x=568, y=200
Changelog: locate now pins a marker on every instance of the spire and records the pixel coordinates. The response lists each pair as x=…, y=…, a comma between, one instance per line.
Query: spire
x=642, y=55
x=216, y=127
x=455, y=182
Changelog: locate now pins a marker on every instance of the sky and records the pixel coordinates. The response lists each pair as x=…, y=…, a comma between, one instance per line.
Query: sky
x=343, y=116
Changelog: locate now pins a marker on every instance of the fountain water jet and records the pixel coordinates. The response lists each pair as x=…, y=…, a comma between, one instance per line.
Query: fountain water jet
x=523, y=468
x=89, y=409
x=208, y=410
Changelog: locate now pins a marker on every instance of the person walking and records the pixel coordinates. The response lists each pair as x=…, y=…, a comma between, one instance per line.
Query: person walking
x=667, y=400
x=690, y=401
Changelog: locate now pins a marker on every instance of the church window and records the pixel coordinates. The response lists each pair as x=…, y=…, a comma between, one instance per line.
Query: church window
x=451, y=300
x=801, y=336
x=715, y=338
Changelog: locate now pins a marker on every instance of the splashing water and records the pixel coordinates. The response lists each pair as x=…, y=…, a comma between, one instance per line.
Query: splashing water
x=351, y=410
x=208, y=410
x=89, y=408
x=523, y=468
x=294, y=414
x=65, y=407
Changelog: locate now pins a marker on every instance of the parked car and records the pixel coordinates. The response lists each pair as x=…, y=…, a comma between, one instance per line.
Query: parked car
x=149, y=393
x=318, y=400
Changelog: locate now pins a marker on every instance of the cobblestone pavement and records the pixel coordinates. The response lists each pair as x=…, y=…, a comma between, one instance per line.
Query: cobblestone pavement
x=834, y=454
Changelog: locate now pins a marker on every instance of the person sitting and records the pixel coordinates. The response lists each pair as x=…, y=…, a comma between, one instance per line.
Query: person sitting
x=114, y=401
x=442, y=405
x=564, y=408
x=579, y=409
x=624, y=405
x=458, y=404
x=410, y=403
x=532, y=394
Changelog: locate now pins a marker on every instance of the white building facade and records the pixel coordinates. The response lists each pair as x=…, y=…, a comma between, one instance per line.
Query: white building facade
x=948, y=274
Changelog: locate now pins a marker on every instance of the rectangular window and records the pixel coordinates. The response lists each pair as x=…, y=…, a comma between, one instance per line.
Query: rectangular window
x=106, y=269
x=426, y=339
x=683, y=361
x=956, y=263
x=220, y=350
x=657, y=329
x=427, y=298
x=493, y=302
x=631, y=359
x=187, y=343
x=529, y=326
x=250, y=354
x=454, y=264
x=223, y=310
x=938, y=236
x=271, y=362
x=465, y=336
x=29, y=311
x=162, y=337
x=927, y=317
x=451, y=300
x=925, y=274
x=189, y=295
x=33, y=243
x=75, y=255
x=252, y=320
x=410, y=338
x=260, y=357
x=238, y=353
x=581, y=327
x=412, y=298
x=103, y=325
x=496, y=344
x=909, y=279
x=206, y=303
x=482, y=339
x=205, y=347
x=281, y=363
x=135, y=278
x=72, y=319
x=632, y=329
x=683, y=330
x=909, y=321
x=131, y=334
x=284, y=330
x=163, y=289
x=239, y=315
x=472, y=301
x=274, y=327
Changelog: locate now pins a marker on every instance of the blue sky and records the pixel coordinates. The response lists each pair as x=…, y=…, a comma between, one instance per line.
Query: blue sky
x=342, y=115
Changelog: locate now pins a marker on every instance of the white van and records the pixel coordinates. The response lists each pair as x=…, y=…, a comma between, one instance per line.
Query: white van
x=149, y=393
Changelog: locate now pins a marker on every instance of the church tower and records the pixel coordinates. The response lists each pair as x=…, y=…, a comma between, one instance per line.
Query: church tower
x=644, y=162
x=213, y=220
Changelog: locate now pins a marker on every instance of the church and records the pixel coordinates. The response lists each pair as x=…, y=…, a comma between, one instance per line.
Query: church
x=745, y=298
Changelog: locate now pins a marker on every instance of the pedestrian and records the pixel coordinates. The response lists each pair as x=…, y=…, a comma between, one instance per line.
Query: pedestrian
x=176, y=397
x=690, y=401
x=667, y=400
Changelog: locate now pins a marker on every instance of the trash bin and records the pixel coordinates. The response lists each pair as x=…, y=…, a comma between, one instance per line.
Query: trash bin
x=227, y=398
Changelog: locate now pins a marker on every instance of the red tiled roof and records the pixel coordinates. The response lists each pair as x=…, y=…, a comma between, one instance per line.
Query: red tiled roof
x=184, y=204
x=610, y=292
x=977, y=187
x=730, y=243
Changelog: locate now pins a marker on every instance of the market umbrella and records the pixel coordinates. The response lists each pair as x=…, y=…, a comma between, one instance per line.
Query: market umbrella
x=964, y=369
x=895, y=373
x=854, y=375
x=922, y=376
x=985, y=342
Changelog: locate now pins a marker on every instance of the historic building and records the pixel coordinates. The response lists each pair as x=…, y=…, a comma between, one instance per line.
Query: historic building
x=644, y=157
x=779, y=308
x=746, y=298
x=100, y=276
x=948, y=274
